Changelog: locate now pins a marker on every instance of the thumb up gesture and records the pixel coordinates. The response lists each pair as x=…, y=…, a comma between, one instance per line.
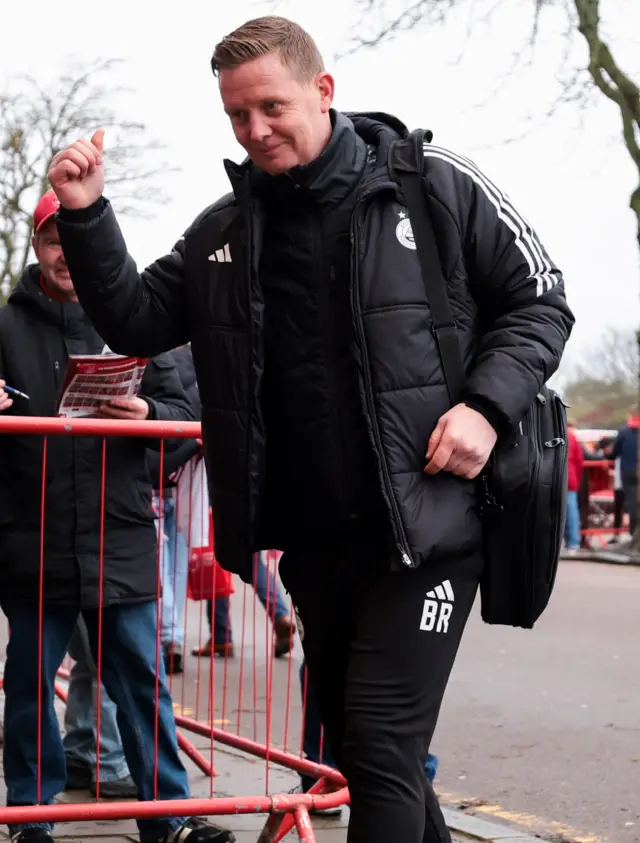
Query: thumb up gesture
x=77, y=173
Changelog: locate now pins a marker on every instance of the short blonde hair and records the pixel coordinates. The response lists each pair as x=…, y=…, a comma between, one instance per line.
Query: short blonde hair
x=270, y=34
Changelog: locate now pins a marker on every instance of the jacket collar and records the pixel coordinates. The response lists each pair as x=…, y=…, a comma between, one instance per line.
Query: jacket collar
x=327, y=180
x=336, y=171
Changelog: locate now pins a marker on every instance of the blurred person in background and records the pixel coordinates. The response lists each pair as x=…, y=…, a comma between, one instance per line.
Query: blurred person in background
x=575, y=466
x=625, y=448
x=81, y=725
x=174, y=550
x=265, y=585
x=618, y=489
x=618, y=499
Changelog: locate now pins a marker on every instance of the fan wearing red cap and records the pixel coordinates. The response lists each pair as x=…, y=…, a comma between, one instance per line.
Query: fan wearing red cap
x=56, y=279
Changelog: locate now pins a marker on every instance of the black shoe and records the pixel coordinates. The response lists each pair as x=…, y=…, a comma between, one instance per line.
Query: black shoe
x=117, y=789
x=284, y=632
x=78, y=778
x=172, y=656
x=32, y=835
x=199, y=831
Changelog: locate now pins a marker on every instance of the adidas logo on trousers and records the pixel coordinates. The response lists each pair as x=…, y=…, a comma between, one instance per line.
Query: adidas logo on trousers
x=438, y=608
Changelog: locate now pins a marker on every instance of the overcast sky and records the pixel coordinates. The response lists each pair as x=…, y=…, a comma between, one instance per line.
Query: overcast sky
x=569, y=175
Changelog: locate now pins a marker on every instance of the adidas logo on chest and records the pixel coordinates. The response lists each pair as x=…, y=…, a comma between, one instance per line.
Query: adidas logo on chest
x=222, y=255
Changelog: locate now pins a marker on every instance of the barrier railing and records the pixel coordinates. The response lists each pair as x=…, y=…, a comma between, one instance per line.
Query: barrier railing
x=244, y=699
x=598, y=504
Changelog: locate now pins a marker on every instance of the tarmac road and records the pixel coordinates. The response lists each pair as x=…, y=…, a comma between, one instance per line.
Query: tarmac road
x=547, y=722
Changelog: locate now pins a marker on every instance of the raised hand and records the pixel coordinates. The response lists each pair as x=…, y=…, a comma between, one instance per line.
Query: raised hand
x=77, y=173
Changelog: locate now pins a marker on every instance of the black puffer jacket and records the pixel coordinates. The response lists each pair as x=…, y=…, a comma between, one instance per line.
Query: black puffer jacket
x=36, y=335
x=507, y=297
x=183, y=449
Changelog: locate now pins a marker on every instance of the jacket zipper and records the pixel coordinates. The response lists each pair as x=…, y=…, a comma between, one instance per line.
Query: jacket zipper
x=251, y=426
x=401, y=539
x=326, y=292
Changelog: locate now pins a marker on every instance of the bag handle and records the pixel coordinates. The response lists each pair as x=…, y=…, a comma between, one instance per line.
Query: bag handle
x=414, y=187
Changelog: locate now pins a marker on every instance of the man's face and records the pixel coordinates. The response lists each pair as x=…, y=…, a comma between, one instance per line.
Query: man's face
x=46, y=245
x=280, y=121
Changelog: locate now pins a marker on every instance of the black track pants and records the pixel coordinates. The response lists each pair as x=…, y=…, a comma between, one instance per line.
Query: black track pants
x=380, y=646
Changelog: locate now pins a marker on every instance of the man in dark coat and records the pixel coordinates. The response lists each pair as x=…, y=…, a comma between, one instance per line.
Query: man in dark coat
x=625, y=448
x=328, y=429
x=41, y=325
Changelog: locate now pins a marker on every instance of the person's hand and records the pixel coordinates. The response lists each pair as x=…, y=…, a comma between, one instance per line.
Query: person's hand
x=130, y=409
x=5, y=401
x=461, y=443
x=77, y=173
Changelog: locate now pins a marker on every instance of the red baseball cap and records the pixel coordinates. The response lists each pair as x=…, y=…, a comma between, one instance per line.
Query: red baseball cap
x=45, y=209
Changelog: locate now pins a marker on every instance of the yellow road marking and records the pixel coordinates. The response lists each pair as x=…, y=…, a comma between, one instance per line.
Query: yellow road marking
x=529, y=821
x=188, y=712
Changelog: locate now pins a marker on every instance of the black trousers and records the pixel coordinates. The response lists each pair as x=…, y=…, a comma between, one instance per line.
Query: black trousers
x=630, y=486
x=618, y=508
x=380, y=646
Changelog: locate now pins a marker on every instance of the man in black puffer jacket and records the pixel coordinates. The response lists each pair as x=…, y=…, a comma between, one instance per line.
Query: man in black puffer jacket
x=327, y=426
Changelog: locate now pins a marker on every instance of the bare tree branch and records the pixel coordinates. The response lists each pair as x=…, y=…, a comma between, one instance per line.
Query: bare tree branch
x=613, y=358
x=602, y=387
x=577, y=84
x=37, y=121
x=414, y=13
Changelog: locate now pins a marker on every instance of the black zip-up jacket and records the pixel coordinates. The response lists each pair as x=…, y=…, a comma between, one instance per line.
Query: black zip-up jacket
x=507, y=297
x=37, y=334
x=321, y=484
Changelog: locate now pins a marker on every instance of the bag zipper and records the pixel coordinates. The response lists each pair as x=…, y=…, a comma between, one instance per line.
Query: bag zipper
x=533, y=422
x=558, y=472
x=401, y=539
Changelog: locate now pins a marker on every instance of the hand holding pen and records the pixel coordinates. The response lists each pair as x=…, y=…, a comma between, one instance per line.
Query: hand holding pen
x=5, y=396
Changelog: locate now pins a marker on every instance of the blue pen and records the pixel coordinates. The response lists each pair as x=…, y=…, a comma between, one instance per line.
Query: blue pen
x=15, y=392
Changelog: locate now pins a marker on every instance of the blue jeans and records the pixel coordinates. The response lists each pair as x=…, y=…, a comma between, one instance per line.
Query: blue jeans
x=129, y=675
x=572, y=524
x=221, y=617
x=80, y=740
x=173, y=573
x=316, y=746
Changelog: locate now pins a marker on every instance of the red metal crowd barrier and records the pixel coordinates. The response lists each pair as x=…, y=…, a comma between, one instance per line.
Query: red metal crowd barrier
x=597, y=503
x=246, y=707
